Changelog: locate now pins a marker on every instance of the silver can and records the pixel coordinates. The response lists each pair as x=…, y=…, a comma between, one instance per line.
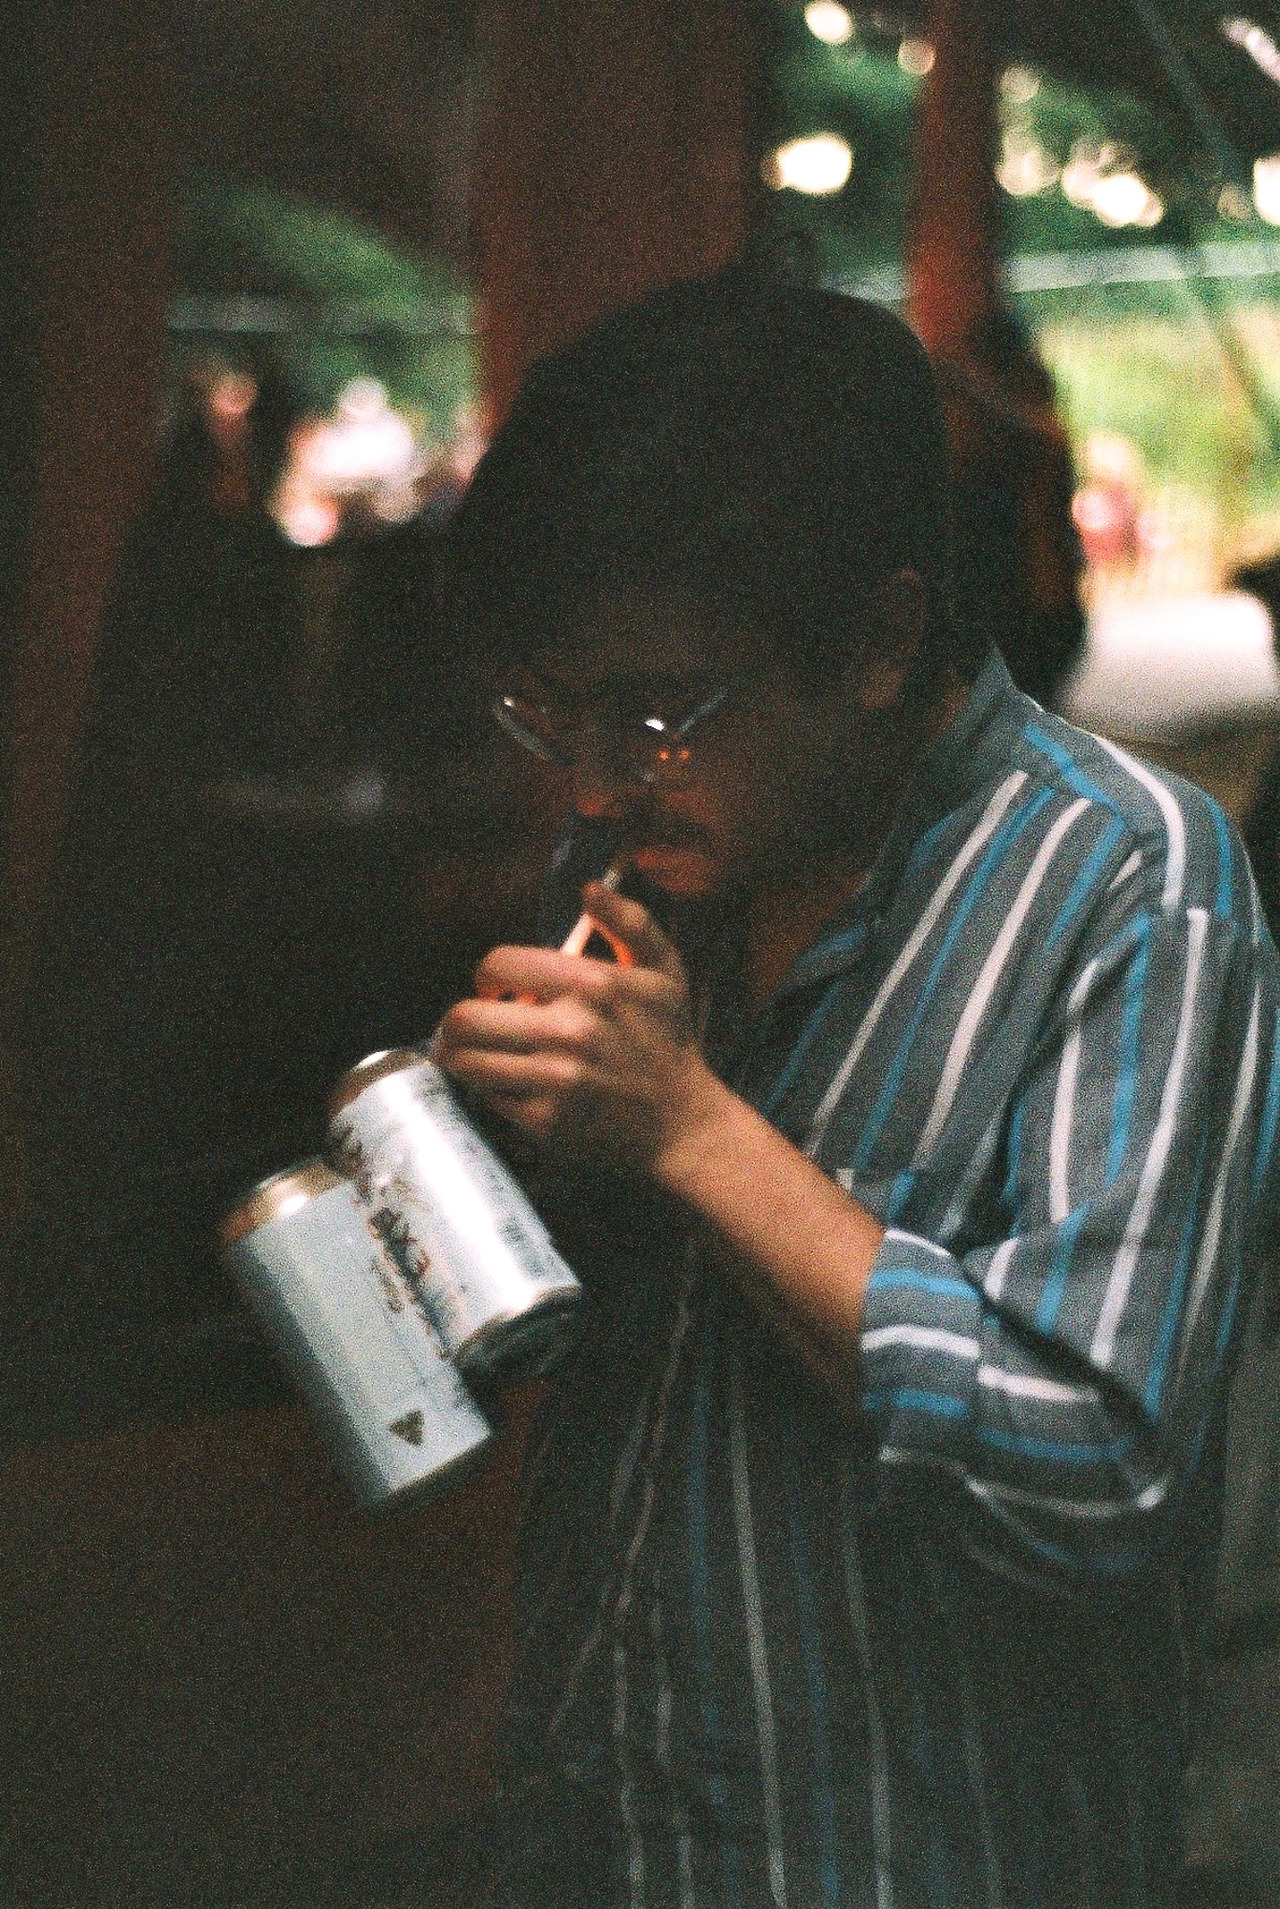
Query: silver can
x=394, y=1412
x=480, y=1260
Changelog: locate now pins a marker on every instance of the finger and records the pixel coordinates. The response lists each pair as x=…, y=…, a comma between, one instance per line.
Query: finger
x=519, y=1027
x=539, y=974
x=493, y=1071
x=539, y=977
x=486, y=1023
x=620, y=918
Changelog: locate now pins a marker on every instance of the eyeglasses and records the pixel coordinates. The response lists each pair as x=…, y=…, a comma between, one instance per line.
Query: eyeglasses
x=569, y=730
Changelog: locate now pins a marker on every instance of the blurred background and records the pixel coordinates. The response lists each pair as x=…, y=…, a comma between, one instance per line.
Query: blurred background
x=273, y=274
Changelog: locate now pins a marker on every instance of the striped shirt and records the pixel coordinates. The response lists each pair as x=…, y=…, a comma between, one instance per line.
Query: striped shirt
x=771, y=1655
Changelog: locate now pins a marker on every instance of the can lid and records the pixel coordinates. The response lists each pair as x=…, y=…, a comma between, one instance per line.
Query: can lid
x=276, y=1197
x=391, y=1060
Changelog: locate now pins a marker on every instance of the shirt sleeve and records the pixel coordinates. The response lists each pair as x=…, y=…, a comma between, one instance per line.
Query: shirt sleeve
x=1064, y=1372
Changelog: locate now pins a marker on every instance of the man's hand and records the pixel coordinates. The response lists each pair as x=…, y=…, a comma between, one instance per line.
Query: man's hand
x=607, y=1058
x=588, y=1052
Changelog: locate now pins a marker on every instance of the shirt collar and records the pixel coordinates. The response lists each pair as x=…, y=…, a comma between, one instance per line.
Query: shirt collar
x=975, y=747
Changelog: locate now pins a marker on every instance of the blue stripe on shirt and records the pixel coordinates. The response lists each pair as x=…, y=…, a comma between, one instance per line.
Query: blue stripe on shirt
x=1086, y=881
x=1060, y=1269
x=936, y=1284
x=1067, y=766
x=800, y=1052
x=1168, y=1336
x=1270, y=1115
x=1223, y=905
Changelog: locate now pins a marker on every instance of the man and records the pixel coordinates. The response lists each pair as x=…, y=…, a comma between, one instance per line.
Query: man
x=912, y=1162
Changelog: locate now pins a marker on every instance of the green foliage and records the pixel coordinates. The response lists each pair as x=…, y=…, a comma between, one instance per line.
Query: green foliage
x=356, y=305
x=1169, y=389
x=1160, y=385
x=1141, y=360
x=859, y=91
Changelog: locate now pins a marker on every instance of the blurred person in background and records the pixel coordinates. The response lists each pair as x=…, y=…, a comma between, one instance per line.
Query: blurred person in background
x=1261, y=825
x=1018, y=559
x=133, y=1051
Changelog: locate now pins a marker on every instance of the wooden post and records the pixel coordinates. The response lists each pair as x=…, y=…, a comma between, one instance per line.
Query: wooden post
x=1017, y=568
x=613, y=157
x=953, y=242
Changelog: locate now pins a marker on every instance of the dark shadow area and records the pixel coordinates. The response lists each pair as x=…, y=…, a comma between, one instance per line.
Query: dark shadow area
x=289, y=843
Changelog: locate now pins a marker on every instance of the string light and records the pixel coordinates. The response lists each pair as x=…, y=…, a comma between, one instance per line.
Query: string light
x=916, y=57
x=1257, y=43
x=829, y=22
x=1266, y=188
x=1103, y=180
x=1019, y=85
x=819, y=165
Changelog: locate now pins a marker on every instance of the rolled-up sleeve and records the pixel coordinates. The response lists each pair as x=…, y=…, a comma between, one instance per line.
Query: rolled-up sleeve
x=1064, y=1369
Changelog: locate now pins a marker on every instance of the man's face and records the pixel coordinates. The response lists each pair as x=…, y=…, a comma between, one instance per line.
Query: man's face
x=778, y=777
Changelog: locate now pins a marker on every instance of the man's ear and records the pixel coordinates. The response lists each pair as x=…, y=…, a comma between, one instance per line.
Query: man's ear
x=893, y=633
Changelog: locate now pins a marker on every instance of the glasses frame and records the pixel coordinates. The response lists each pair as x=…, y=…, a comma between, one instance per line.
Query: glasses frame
x=662, y=729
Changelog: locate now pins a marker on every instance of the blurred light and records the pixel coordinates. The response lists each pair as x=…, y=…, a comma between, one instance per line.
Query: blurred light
x=1101, y=180
x=368, y=443
x=363, y=795
x=1121, y=198
x=470, y=442
x=362, y=398
x=829, y=22
x=232, y=396
x=916, y=57
x=1025, y=167
x=1257, y=43
x=1111, y=458
x=818, y=165
x=306, y=518
x=1234, y=204
x=1266, y=188
x=1019, y=85
x=395, y=503
x=1079, y=181
x=1106, y=155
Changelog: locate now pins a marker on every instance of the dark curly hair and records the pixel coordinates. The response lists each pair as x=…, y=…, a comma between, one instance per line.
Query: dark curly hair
x=773, y=449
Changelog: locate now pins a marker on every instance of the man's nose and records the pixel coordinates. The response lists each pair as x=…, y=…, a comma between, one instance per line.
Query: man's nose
x=603, y=788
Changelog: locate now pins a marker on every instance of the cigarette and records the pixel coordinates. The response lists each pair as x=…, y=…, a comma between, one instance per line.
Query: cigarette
x=585, y=926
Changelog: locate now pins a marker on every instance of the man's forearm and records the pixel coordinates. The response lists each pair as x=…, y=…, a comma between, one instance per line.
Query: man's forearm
x=792, y=1236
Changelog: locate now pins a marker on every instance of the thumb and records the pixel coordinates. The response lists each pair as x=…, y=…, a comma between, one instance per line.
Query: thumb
x=621, y=920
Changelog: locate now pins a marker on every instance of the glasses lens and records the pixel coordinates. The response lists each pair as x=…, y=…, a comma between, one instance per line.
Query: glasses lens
x=648, y=747
x=532, y=723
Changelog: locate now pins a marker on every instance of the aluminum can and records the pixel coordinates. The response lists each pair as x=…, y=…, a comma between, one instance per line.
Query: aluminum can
x=393, y=1411
x=459, y=1228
